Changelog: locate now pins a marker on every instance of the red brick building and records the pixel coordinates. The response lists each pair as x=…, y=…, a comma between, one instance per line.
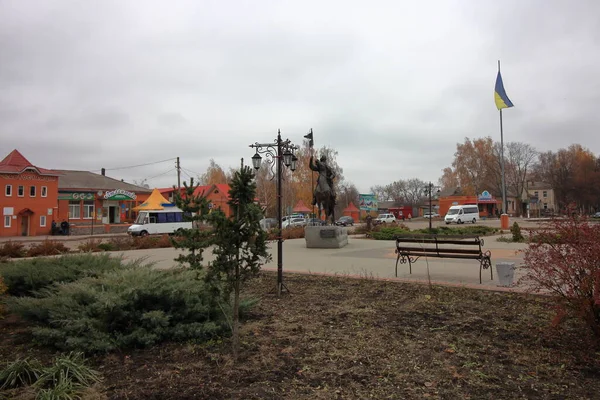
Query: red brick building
x=28, y=201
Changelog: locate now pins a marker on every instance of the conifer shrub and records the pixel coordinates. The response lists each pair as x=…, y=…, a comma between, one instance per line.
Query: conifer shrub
x=24, y=277
x=135, y=306
x=517, y=236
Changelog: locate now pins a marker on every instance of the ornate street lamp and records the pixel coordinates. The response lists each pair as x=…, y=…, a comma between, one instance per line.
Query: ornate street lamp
x=277, y=153
x=428, y=191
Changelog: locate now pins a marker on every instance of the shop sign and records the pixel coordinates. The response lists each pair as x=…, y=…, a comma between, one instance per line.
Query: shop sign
x=485, y=195
x=76, y=196
x=119, y=194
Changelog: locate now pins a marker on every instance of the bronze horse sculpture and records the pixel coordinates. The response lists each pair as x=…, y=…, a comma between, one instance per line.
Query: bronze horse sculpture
x=324, y=194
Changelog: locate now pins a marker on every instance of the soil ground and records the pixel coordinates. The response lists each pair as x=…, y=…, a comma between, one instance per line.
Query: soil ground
x=343, y=338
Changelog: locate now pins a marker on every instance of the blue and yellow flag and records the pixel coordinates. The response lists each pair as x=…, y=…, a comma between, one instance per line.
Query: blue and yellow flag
x=502, y=100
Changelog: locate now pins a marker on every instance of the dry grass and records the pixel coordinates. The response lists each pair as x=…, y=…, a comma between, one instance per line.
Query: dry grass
x=337, y=337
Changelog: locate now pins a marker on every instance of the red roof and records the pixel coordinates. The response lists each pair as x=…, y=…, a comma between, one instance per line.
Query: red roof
x=300, y=207
x=351, y=207
x=201, y=190
x=16, y=163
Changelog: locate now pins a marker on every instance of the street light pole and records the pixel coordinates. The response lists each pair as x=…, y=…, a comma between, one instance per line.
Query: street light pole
x=429, y=192
x=280, y=152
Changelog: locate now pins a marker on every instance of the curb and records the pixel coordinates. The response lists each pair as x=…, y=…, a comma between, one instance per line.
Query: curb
x=501, y=289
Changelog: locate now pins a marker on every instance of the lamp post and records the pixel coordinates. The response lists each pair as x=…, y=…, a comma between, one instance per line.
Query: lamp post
x=277, y=153
x=428, y=191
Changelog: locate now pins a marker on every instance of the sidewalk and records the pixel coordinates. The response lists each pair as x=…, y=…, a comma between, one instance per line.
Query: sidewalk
x=368, y=259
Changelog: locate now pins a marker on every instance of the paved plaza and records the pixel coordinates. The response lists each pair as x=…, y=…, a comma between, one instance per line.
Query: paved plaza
x=364, y=257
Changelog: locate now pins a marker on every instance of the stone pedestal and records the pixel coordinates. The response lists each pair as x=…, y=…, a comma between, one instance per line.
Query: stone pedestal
x=325, y=237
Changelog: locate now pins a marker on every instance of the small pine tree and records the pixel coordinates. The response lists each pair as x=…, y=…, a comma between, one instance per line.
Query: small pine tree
x=240, y=243
x=195, y=240
x=516, y=233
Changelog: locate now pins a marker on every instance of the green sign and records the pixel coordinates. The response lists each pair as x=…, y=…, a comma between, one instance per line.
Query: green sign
x=76, y=196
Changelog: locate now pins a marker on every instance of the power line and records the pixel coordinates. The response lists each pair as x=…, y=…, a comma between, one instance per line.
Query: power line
x=164, y=173
x=193, y=172
x=140, y=165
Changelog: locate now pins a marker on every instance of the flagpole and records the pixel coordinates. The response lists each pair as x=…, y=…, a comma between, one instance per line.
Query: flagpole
x=504, y=205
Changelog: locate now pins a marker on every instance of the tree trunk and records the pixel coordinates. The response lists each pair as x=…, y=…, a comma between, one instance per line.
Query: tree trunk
x=236, y=314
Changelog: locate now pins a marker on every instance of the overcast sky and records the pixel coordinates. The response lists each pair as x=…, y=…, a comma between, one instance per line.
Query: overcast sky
x=392, y=85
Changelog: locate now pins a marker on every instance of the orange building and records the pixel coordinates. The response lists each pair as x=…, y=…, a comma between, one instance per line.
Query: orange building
x=352, y=211
x=486, y=203
x=86, y=198
x=29, y=197
x=217, y=196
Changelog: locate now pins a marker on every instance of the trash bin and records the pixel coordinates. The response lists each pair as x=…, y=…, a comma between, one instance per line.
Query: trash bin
x=504, y=221
x=506, y=273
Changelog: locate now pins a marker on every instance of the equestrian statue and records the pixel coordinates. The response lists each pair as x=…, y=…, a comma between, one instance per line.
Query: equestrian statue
x=324, y=192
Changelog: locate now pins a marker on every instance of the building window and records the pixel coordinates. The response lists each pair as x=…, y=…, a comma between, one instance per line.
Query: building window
x=31, y=191
x=42, y=220
x=545, y=193
x=74, y=209
x=8, y=190
x=7, y=221
x=536, y=194
x=44, y=191
x=88, y=209
x=21, y=191
x=545, y=206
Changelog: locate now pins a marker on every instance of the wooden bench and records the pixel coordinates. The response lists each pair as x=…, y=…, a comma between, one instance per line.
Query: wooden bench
x=411, y=247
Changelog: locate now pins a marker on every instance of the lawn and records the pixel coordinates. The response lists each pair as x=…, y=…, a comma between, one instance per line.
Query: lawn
x=344, y=338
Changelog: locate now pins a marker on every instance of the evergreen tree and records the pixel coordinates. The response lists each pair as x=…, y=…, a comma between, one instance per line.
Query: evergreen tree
x=195, y=240
x=240, y=244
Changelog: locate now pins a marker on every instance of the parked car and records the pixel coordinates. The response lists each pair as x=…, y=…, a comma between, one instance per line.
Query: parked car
x=431, y=215
x=597, y=215
x=345, y=221
x=294, y=222
x=384, y=219
x=268, y=223
x=315, y=222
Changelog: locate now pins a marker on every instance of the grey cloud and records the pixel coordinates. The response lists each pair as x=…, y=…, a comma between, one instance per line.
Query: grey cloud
x=392, y=87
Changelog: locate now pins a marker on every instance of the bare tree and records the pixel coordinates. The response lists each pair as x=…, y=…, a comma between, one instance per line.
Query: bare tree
x=520, y=158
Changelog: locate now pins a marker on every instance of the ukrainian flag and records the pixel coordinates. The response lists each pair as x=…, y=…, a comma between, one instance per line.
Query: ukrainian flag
x=502, y=100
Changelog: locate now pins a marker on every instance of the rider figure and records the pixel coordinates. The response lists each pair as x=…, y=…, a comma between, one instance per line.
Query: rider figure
x=323, y=169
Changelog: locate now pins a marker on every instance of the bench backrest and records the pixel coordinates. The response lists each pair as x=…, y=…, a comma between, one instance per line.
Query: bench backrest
x=439, y=245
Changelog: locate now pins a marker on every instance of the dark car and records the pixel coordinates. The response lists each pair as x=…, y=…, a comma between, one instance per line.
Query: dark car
x=345, y=221
x=315, y=222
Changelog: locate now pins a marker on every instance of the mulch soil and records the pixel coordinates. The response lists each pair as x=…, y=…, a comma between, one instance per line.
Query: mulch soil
x=346, y=338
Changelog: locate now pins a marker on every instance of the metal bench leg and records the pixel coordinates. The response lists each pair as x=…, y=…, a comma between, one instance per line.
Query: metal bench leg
x=397, y=259
x=480, y=268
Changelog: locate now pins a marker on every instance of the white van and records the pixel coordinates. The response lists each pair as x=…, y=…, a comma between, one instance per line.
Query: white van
x=462, y=214
x=158, y=222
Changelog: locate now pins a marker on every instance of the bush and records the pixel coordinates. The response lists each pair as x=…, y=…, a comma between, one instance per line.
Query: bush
x=288, y=233
x=388, y=233
x=12, y=250
x=90, y=246
x=67, y=378
x=24, y=277
x=562, y=261
x=47, y=248
x=517, y=236
x=135, y=306
x=21, y=372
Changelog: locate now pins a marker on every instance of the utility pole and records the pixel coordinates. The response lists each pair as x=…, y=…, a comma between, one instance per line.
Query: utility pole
x=178, y=174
